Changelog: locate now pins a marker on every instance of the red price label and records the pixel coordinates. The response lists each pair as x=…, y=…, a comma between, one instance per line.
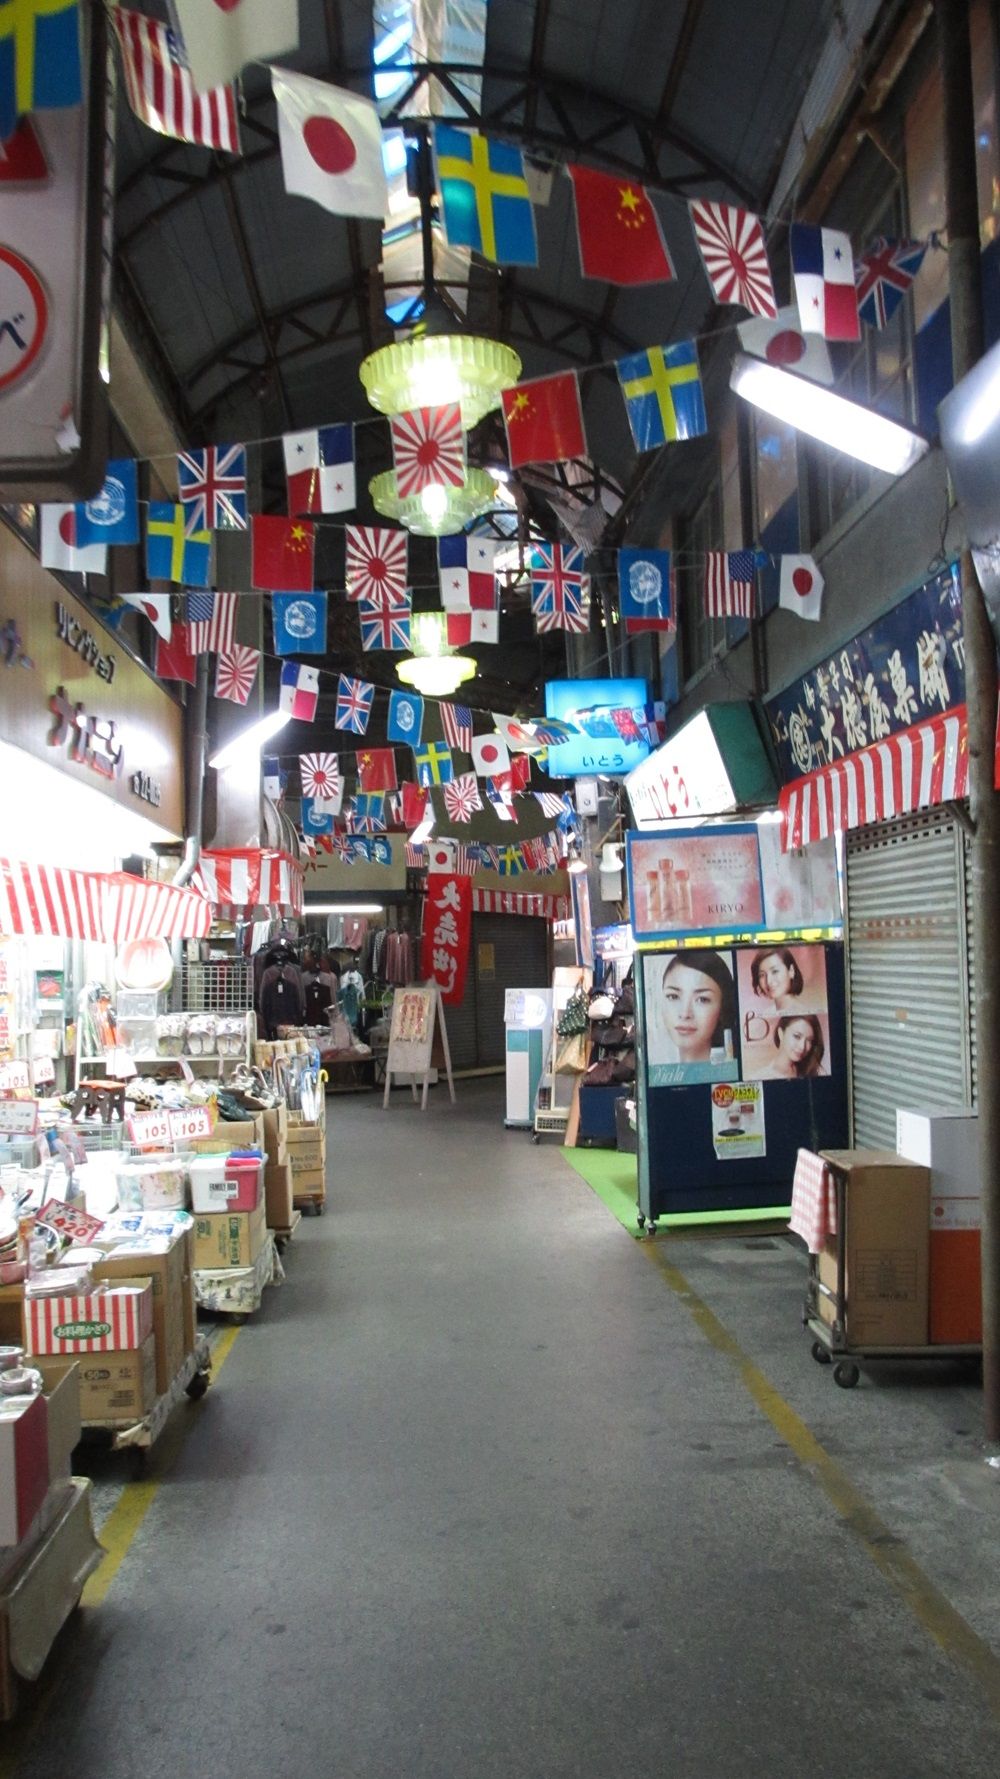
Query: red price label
x=193, y=1123
x=149, y=1128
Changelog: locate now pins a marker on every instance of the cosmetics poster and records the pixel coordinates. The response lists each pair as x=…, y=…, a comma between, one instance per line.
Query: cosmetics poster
x=784, y=1024
x=695, y=880
x=690, y=1017
x=738, y=1132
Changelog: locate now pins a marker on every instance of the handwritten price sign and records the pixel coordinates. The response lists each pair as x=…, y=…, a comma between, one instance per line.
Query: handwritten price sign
x=13, y=1075
x=195, y=1123
x=147, y=1129
x=19, y=1117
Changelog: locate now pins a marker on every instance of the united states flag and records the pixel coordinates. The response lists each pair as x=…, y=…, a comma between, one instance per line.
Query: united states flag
x=731, y=243
x=428, y=446
x=560, y=591
x=213, y=488
x=461, y=797
x=236, y=673
x=551, y=802
x=376, y=564
x=416, y=856
x=211, y=621
x=729, y=583
x=161, y=91
x=456, y=720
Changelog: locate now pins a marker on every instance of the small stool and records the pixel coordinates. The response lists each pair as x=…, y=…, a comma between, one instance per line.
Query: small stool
x=101, y=1099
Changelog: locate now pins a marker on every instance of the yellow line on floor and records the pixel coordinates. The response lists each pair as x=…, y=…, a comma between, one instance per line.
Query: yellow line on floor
x=886, y=1550
x=116, y=1535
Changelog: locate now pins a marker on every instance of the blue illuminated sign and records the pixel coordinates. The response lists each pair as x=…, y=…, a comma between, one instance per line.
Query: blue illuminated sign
x=610, y=714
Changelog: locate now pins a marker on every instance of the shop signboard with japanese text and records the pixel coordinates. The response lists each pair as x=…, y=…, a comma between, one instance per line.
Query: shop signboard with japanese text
x=907, y=666
x=447, y=934
x=610, y=715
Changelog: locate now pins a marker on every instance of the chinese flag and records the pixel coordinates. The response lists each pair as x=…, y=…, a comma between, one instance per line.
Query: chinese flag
x=282, y=554
x=415, y=801
x=377, y=769
x=619, y=231
x=174, y=659
x=520, y=771
x=543, y=419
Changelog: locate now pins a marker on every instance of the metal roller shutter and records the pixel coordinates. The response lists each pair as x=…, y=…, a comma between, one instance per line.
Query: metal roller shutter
x=908, y=971
x=476, y=1031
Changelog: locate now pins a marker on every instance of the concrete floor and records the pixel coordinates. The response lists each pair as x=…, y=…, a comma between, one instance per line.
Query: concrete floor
x=476, y=1496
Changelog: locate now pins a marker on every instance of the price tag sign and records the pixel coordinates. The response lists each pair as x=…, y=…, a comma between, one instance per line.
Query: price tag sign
x=43, y=1071
x=19, y=1117
x=13, y=1075
x=196, y=1122
x=148, y=1129
x=78, y=1228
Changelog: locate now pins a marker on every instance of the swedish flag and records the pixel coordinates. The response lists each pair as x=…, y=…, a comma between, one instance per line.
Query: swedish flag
x=663, y=394
x=39, y=58
x=485, y=197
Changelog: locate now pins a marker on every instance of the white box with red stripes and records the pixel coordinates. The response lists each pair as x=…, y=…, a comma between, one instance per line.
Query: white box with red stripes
x=105, y=1320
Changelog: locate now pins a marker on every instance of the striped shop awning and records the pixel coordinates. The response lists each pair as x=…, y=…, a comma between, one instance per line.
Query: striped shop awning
x=916, y=769
x=53, y=902
x=244, y=878
x=520, y=902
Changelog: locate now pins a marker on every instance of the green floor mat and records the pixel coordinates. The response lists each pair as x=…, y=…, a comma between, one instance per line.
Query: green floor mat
x=614, y=1177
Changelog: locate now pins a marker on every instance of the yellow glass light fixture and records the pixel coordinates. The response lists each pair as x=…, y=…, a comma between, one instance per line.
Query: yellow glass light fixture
x=433, y=368
x=436, y=511
x=434, y=669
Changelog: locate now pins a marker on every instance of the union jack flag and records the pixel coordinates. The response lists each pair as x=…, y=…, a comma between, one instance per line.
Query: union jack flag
x=731, y=244
x=354, y=704
x=213, y=488
x=376, y=564
x=368, y=813
x=236, y=673
x=320, y=777
x=428, y=446
x=384, y=626
x=456, y=720
x=343, y=846
x=729, y=583
x=461, y=797
x=883, y=275
x=560, y=591
x=211, y=621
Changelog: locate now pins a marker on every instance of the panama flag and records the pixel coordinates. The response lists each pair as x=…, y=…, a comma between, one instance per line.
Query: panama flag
x=428, y=449
x=782, y=343
x=319, y=468
x=823, y=275
x=59, y=546
x=801, y=589
x=464, y=628
x=221, y=38
x=467, y=573
x=299, y=693
x=331, y=145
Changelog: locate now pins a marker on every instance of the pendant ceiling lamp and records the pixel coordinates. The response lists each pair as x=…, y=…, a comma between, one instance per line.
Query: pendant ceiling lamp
x=434, y=669
x=436, y=511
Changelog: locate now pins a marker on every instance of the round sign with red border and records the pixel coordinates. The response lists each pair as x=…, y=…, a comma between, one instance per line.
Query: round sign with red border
x=24, y=317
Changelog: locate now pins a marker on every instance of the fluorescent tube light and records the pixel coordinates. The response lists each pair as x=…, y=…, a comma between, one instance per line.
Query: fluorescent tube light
x=343, y=908
x=826, y=416
x=249, y=741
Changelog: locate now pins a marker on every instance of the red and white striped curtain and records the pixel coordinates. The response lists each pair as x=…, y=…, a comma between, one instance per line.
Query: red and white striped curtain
x=242, y=878
x=922, y=766
x=54, y=902
x=520, y=902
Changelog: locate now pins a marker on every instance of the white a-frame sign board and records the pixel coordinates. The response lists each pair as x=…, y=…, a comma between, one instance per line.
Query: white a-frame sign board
x=411, y=1039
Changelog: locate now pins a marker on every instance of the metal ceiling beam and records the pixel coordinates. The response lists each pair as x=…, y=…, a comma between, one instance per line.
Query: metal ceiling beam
x=254, y=293
x=586, y=120
x=678, y=61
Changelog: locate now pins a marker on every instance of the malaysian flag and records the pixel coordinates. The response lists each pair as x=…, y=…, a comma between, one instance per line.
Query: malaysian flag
x=211, y=621
x=731, y=244
x=376, y=564
x=729, y=583
x=236, y=673
x=385, y=626
x=883, y=275
x=354, y=704
x=212, y=485
x=456, y=720
x=560, y=591
x=428, y=448
x=461, y=797
x=161, y=91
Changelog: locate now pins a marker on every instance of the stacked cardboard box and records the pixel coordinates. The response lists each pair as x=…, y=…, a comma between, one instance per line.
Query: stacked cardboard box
x=108, y=1332
x=307, y=1156
x=278, y=1187
x=229, y=1238
x=886, y=1248
x=168, y=1264
x=947, y=1141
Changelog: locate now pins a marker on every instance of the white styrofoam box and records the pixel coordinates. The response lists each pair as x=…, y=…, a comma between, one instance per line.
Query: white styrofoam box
x=955, y=1213
x=945, y=1141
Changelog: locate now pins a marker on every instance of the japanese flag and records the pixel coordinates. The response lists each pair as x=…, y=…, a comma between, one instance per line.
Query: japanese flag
x=489, y=755
x=441, y=855
x=60, y=548
x=331, y=146
x=783, y=343
x=801, y=589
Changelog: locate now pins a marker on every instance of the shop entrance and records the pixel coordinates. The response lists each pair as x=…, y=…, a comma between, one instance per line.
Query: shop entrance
x=508, y=951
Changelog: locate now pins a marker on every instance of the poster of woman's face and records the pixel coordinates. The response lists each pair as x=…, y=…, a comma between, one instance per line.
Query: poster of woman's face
x=784, y=1024
x=690, y=1002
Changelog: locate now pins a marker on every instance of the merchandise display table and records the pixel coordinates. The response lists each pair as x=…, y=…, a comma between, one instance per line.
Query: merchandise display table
x=38, y=1598
x=236, y=1290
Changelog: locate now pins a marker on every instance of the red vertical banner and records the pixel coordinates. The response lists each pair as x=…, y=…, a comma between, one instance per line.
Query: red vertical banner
x=444, y=956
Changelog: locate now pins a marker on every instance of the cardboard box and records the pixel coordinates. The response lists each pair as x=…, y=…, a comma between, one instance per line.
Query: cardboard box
x=306, y=1148
x=311, y=1183
x=947, y=1142
x=116, y=1387
x=228, y=1238
x=109, y=1319
x=278, y=1195
x=24, y=1464
x=164, y=1264
x=62, y=1394
x=887, y=1249
x=247, y=1133
x=275, y=1133
x=11, y=1315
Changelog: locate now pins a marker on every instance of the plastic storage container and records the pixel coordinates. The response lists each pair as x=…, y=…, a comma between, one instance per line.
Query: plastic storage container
x=156, y=1183
x=226, y=1183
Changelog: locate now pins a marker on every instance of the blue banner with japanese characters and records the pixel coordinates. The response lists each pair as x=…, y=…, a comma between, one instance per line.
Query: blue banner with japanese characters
x=907, y=666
